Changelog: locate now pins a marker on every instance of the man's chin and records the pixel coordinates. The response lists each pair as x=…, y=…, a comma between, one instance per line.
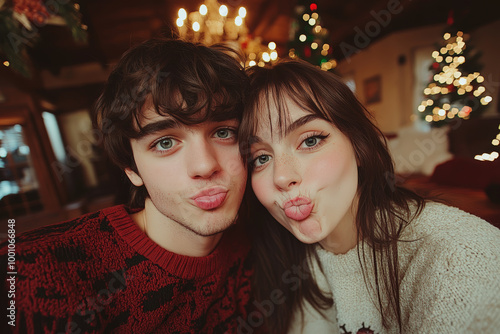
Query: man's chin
x=209, y=229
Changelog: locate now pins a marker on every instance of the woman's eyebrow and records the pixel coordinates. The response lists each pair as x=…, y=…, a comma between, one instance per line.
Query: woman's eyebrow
x=299, y=122
x=254, y=140
x=295, y=125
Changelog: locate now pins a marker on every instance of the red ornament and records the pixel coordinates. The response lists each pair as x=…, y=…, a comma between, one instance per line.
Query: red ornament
x=307, y=52
x=450, y=19
x=34, y=10
x=313, y=7
x=435, y=65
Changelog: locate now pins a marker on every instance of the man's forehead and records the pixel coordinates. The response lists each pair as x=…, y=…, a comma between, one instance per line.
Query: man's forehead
x=150, y=115
x=149, y=112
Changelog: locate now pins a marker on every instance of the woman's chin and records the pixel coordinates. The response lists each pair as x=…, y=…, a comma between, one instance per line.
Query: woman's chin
x=308, y=231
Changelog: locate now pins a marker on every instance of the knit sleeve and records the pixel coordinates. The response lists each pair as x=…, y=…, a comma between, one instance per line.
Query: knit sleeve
x=455, y=287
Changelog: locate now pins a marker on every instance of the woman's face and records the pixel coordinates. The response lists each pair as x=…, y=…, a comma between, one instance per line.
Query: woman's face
x=307, y=178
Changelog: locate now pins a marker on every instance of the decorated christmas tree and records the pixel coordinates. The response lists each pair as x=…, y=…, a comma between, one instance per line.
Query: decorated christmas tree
x=456, y=88
x=309, y=40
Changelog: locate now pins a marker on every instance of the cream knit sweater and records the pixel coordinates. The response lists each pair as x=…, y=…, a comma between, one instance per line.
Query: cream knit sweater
x=450, y=279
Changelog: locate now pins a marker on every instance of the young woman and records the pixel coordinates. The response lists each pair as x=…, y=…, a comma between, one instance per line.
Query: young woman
x=394, y=262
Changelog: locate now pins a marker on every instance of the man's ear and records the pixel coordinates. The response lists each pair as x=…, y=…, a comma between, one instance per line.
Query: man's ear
x=134, y=177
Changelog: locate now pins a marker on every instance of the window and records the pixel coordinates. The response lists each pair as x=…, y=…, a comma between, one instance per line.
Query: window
x=19, y=188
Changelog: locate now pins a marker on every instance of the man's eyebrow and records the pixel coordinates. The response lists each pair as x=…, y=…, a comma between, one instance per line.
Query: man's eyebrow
x=152, y=128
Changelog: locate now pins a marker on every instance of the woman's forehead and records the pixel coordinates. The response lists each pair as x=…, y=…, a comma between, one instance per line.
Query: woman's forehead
x=276, y=119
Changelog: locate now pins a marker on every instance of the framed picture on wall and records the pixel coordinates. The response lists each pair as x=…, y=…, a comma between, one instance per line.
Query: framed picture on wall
x=373, y=89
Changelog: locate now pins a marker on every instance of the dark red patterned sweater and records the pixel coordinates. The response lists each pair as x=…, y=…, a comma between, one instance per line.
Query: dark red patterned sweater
x=100, y=274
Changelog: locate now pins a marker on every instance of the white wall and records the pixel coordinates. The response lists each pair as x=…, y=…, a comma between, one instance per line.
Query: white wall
x=77, y=131
x=397, y=103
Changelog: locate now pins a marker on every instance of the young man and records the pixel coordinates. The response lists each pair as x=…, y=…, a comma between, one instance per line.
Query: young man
x=175, y=261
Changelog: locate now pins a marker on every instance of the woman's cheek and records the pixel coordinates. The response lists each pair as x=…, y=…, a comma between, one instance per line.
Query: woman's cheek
x=261, y=188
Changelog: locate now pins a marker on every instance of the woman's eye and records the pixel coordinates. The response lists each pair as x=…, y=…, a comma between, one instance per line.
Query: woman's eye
x=261, y=160
x=311, y=141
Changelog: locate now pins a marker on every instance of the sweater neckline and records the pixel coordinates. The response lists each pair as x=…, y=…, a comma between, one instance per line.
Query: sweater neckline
x=179, y=265
x=342, y=264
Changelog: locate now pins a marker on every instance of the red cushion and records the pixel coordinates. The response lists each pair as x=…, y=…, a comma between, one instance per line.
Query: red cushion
x=466, y=172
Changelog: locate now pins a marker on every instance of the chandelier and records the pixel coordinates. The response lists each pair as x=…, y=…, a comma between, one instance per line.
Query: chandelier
x=213, y=23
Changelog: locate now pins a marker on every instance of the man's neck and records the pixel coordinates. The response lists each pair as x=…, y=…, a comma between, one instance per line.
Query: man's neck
x=172, y=236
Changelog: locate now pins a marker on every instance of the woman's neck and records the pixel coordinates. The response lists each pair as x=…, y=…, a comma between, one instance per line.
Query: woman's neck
x=344, y=237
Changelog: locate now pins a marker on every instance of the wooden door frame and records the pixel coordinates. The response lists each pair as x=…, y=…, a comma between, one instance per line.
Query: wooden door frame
x=41, y=154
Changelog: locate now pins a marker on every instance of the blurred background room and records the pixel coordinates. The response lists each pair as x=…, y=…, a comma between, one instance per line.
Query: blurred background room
x=428, y=71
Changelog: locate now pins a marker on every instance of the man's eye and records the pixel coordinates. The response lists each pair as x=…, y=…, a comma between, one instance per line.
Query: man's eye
x=224, y=133
x=165, y=144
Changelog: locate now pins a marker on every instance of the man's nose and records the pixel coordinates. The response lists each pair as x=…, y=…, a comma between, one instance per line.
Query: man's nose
x=202, y=160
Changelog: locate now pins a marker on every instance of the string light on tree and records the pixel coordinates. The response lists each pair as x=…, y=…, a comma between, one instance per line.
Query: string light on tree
x=493, y=155
x=309, y=39
x=456, y=88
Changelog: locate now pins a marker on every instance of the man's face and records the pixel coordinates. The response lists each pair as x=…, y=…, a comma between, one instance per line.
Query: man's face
x=194, y=175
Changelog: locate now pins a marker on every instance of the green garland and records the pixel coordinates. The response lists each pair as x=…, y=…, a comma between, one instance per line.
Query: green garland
x=15, y=38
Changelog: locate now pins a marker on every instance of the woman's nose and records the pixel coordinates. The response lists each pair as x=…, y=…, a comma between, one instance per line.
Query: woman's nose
x=286, y=173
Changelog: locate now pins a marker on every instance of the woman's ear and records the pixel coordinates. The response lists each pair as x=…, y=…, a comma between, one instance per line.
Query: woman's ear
x=134, y=177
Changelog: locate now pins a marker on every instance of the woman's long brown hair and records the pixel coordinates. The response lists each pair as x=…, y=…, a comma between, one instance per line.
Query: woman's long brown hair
x=383, y=209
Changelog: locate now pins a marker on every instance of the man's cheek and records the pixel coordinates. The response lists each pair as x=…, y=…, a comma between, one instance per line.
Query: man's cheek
x=236, y=167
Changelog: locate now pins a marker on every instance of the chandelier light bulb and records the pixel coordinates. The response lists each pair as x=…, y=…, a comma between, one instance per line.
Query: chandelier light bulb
x=182, y=14
x=203, y=9
x=242, y=12
x=223, y=10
